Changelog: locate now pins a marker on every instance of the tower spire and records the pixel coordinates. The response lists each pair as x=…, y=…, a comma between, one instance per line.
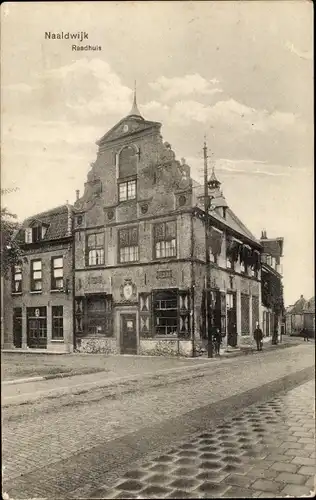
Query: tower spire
x=135, y=111
x=213, y=182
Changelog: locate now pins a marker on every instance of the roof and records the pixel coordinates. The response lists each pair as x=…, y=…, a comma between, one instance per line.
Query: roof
x=273, y=246
x=231, y=220
x=310, y=306
x=299, y=306
x=56, y=220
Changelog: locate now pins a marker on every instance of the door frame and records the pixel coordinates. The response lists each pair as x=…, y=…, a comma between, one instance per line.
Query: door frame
x=117, y=327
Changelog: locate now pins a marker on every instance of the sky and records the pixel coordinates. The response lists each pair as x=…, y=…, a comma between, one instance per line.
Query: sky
x=239, y=73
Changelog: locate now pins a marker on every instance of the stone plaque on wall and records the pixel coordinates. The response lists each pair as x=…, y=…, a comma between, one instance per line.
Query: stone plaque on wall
x=164, y=273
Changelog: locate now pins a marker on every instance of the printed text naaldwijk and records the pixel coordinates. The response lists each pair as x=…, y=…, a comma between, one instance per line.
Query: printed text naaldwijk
x=67, y=35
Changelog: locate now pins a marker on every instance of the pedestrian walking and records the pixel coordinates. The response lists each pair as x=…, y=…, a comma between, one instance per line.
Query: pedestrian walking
x=258, y=336
x=305, y=334
x=217, y=337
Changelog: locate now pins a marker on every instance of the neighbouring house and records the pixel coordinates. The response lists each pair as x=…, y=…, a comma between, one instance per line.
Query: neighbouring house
x=139, y=252
x=271, y=284
x=300, y=315
x=38, y=299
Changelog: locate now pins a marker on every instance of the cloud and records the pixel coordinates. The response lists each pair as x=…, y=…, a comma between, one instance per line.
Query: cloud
x=18, y=87
x=171, y=88
x=308, y=55
x=231, y=113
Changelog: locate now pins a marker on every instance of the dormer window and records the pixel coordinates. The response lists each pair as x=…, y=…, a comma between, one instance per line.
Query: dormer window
x=35, y=233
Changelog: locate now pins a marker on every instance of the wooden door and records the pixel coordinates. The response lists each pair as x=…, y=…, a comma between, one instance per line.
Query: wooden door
x=231, y=320
x=17, y=327
x=128, y=334
x=37, y=328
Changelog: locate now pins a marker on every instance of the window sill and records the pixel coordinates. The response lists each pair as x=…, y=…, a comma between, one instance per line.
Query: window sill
x=61, y=341
x=35, y=292
x=165, y=337
x=16, y=293
x=120, y=202
x=57, y=291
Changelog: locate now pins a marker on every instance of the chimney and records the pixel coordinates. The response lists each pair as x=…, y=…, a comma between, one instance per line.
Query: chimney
x=69, y=220
x=264, y=234
x=302, y=297
x=77, y=194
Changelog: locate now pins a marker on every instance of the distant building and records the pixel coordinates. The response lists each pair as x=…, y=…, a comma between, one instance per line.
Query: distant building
x=139, y=236
x=38, y=300
x=271, y=283
x=301, y=315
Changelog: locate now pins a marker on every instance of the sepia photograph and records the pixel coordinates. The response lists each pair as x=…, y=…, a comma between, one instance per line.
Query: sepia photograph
x=157, y=249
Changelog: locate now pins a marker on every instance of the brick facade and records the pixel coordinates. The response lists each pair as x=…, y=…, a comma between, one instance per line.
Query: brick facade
x=158, y=295
x=29, y=315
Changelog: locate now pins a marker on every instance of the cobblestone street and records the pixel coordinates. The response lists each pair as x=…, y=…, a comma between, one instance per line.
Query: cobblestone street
x=266, y=451
x=86, y=442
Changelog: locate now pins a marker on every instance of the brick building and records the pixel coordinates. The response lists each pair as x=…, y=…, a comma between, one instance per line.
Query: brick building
x=38, y=297
x=139, y=251
x=271, y=282
x=301, y=315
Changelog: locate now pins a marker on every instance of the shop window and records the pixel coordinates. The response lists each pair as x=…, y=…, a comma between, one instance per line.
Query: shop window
x=99, y=316
x=166, y=313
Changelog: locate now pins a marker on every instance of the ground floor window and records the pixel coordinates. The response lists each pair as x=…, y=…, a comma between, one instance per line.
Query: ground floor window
x=57, y=323
x=94, y=315
x=166, y=313
x=171, y=313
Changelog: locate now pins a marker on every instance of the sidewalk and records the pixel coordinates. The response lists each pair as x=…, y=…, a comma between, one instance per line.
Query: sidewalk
x=125, y=371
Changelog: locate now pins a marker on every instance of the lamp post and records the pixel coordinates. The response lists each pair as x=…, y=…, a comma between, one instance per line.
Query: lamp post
x=208, y=326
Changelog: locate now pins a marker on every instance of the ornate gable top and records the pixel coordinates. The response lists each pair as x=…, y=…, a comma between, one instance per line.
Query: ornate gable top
x=135, y=111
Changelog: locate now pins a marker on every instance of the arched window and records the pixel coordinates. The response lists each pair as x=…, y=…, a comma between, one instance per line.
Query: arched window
x=127, y=162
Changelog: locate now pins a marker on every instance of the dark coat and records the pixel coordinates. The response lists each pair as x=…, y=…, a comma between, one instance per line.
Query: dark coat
x=257, y=334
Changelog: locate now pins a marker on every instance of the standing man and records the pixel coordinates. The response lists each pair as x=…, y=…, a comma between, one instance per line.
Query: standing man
x=258, y=336
x=217, y=341
x=305, y=334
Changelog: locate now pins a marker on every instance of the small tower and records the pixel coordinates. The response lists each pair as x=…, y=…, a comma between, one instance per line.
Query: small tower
x=218, y=202
x=213, y=182
x=134, y=112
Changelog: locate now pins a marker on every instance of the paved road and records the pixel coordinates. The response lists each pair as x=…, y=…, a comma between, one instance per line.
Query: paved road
x=266, y=451
x=51, y=451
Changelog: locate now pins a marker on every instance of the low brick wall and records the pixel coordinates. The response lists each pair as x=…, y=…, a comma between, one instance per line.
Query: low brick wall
x=156, y=347
x=97, y=345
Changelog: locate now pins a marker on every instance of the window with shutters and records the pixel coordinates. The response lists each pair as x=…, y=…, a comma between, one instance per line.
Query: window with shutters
x=17, y=279
x=165, y=241
x=36, y=275
x=128, y=245
x=57, y=276
x=95, y=249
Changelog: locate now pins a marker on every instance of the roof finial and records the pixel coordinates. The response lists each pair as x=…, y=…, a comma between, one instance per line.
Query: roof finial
x=135, y=111
x=213, y=181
